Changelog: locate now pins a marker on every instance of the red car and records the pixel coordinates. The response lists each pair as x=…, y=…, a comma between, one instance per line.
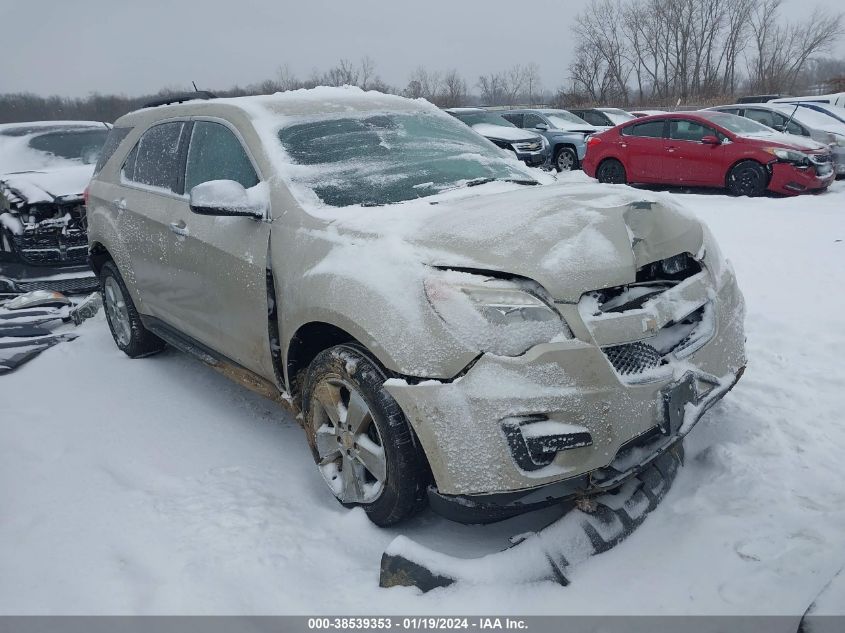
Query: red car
x=709, y=149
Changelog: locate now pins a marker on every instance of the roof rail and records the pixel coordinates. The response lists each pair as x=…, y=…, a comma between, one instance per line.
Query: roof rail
x=179, y=97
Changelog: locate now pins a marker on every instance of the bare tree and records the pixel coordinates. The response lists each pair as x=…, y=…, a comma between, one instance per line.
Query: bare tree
x=533, y=83
x=344, y=74
x=286, y=79
x=782, y=52
x=492, y=88
x=454, y=93
x=367, y=72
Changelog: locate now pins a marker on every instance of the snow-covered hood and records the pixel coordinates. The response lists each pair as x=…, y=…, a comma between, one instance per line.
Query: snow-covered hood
x=47, y=185
x=503, y=132
x=569, y=238
x=788, y=141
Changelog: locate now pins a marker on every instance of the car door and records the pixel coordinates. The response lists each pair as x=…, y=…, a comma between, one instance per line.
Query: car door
x=143, y=208
x=220, y=263
x=690, y=161
x=643, y=151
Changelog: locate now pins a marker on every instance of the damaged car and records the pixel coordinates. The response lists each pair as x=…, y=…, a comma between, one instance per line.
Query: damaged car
x=44, y=169
x=452, y=329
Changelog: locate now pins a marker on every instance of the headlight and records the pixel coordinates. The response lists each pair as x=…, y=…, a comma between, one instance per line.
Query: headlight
x=789, y=156
x=837, y=139
x=494, y=315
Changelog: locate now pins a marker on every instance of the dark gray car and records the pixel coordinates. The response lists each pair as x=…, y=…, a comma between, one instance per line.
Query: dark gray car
x=566, y=133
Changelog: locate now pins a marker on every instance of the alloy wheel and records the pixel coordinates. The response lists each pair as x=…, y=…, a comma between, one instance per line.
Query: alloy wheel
x=117, y=311
x=351, y=452
x=565, y=160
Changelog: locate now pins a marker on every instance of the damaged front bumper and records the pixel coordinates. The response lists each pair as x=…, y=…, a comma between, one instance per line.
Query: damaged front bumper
x=598, y=425
x=792, y=180
x=17, y=278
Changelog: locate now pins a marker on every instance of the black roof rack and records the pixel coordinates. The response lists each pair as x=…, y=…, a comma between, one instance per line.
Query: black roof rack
x=179, y=98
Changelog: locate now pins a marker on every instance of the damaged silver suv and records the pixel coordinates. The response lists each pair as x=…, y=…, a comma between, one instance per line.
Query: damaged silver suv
x=455, y=327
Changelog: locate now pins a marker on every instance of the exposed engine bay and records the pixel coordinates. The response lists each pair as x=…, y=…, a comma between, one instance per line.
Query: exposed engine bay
x=44, y=233
x=635, y=361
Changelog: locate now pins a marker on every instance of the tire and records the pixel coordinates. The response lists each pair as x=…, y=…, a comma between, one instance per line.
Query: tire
x=611, y=171
x=353, y=425
x=129, y=334
x=566, y=159
x=747, y=178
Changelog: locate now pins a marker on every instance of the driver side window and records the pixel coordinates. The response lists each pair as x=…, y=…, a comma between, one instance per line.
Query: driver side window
x=215, y=153
x=531, y=121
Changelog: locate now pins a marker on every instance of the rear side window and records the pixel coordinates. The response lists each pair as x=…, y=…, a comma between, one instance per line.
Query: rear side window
x=215, y=153
x=155, y=160
x=681, y=130
x=516, y=119
x=651, y=129
x=113, y=140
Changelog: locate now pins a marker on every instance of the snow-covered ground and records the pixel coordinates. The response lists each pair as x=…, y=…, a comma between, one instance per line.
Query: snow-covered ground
x=157, y=486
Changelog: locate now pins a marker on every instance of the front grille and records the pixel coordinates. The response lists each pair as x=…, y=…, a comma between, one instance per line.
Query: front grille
x=68, y=286
x=633, y=358
x=45, y=248
x=530, y=146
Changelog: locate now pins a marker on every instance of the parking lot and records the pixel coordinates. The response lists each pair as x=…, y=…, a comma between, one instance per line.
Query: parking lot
x=158, y=486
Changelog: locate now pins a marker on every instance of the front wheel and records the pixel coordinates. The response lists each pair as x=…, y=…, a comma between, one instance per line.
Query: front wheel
x=359, y=437
x=611, y=171
x=747, y=178
x=566, y=159
x=129, y=334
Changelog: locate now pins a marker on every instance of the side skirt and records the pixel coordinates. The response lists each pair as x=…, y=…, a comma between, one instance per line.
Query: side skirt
x=226, y=366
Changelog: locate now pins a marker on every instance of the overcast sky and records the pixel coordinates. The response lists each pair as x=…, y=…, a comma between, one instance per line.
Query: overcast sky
x=74, y=47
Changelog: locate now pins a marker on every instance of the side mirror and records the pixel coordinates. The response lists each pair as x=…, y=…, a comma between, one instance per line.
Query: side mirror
x=542, y=127
x=710, y=140
x=225, y=197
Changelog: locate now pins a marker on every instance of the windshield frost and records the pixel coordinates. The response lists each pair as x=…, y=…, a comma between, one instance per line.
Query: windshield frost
x=388, y=158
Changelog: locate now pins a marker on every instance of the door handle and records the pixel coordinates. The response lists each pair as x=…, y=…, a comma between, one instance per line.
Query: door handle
x=180, y=228
x=119, y=204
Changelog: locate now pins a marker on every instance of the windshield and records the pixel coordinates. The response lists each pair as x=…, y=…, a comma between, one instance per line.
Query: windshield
x=736, y=124
x=562, y=119
x=474, y=118
x=81, y=145
x=388, y=158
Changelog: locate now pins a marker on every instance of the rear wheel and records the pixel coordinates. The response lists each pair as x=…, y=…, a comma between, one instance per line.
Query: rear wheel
x=359, y=437
x=566, y=159
x=129, y=334
x=747, y=178
x=611, y=171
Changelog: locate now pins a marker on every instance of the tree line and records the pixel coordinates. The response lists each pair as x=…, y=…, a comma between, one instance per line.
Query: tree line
x=626, y=52
x=661, y=50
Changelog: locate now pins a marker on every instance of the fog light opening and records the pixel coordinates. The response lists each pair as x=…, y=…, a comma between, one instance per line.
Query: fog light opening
x=535, y=440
